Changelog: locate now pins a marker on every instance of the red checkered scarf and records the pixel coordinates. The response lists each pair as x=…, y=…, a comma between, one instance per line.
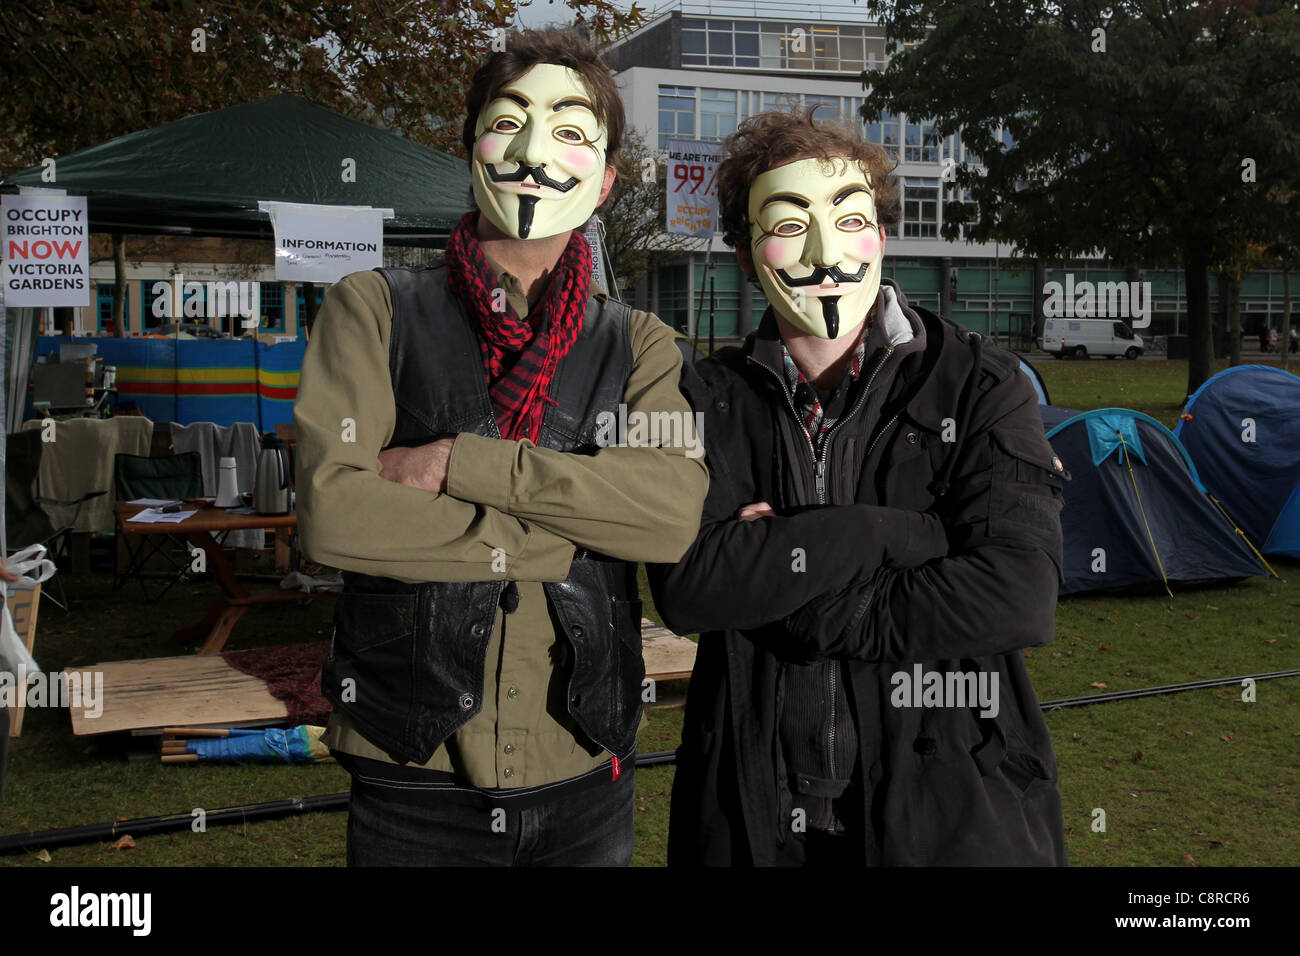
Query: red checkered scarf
x=520, y=359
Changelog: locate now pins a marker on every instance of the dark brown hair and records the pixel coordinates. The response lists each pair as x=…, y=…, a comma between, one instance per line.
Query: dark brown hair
x=525, y=50
x=771, y=139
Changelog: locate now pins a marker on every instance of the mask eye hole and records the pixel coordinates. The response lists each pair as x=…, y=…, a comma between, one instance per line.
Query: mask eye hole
x=568, y=134
x=853, y=222
x=789, y=227
x=505, y=125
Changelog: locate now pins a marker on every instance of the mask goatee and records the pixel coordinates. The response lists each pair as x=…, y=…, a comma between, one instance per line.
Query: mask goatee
x=526, y=206
x=831, y=313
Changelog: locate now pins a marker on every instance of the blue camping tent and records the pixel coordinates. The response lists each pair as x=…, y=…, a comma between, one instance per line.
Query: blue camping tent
x=1242, y=428
x=1136, y=515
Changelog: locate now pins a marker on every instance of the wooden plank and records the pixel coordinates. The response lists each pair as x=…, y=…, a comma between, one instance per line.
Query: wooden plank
x=667, y=656
x=176, y=692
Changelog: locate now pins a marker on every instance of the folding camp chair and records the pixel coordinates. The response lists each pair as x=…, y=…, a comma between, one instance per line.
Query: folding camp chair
x=26, y=521
x=139, y=476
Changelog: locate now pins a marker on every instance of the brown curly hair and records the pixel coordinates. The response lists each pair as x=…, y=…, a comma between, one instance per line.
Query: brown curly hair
x=564, y=47
x=771, y=139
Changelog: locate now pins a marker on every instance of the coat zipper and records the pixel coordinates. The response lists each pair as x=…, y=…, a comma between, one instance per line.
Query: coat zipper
x=819, y=472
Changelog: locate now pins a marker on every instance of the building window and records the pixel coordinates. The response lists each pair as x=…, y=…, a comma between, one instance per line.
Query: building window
x=885, y=132
x=747, y=45
x=952, y=195
x=922, y=143
x=676, y=114
x=104, y=307
x=717, y=113
x=272, y=305
x=920, y=208
x=694, y=42
x=720, y=48
x=156, y=295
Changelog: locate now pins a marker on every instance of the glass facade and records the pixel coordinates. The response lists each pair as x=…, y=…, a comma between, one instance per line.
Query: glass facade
x=713, y=114
x=750, y=45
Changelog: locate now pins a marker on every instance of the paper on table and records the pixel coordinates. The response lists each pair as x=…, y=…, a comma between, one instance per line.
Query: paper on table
x=155, y=501
x=154, y=516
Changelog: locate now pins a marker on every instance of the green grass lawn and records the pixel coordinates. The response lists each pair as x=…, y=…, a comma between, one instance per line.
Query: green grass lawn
x=1198, y=778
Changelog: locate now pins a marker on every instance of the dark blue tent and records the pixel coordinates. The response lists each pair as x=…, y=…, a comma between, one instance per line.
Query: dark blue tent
x=1136, y=515
x=1242, y=428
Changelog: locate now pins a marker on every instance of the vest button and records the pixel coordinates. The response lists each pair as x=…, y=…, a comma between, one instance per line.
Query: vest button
x=508, y=772
x=577, y=632
x=911, y=438
x=508, y=749
x=466, y=701
x=478, y=630
x=512, y=693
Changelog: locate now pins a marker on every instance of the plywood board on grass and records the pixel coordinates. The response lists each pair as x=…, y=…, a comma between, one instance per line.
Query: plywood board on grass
x=191, y=691
x=667, y=656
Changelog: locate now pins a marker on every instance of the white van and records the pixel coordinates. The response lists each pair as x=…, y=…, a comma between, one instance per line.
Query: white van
x=1080, y=338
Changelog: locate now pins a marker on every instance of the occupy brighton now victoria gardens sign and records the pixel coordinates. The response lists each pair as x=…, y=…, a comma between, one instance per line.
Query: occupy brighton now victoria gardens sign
x=46, y=250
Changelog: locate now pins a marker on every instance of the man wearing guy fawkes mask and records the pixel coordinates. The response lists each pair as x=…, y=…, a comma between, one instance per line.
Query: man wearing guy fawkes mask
x=881, y=500
x=486, y=666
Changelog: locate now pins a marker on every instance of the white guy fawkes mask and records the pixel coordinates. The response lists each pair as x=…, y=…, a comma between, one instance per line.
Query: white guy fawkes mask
x=815, y=243
x=539, y=155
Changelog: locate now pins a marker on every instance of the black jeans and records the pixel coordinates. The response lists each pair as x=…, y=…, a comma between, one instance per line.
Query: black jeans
x=397, y=825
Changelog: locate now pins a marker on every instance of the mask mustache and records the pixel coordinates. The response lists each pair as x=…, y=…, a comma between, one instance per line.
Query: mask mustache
x=835, y=272
x=523, y=172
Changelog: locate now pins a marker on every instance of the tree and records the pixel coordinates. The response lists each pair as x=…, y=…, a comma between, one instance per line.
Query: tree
x=1150, y=130
x=634, y=214
x=76, y=74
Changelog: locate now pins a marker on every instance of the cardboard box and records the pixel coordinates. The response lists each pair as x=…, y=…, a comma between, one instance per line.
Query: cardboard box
x=23, y=602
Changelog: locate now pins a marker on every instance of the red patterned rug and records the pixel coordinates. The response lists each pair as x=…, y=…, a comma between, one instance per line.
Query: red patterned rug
x=292, y=675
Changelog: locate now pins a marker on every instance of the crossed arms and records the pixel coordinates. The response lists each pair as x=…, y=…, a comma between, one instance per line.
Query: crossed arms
x=977, y=576
x=532, y=505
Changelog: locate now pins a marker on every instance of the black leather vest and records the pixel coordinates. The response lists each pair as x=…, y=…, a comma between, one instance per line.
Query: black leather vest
x=408, y=659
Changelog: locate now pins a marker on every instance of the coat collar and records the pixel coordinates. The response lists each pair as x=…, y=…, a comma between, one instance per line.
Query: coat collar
x=925, y=350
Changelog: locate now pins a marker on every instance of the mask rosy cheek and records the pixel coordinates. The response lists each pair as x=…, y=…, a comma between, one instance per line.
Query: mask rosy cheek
x=775, y=254
x=580, y=162
x=867, y=246
x=488, y=148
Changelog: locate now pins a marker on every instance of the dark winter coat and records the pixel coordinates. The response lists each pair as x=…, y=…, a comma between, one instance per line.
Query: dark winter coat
x=939, y=544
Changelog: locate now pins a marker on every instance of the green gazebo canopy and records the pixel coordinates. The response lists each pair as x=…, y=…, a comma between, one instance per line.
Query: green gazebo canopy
x=203, y=175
